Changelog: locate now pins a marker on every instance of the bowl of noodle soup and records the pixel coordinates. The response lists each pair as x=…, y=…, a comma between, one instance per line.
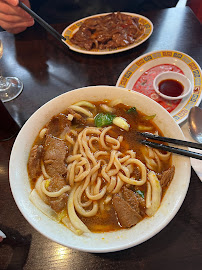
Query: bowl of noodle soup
x=79, y=233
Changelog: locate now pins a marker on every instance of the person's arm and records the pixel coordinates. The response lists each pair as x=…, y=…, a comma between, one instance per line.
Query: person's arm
x=12, y=18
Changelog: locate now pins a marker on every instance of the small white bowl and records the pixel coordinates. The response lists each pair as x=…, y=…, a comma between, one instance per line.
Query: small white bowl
x=173, y=76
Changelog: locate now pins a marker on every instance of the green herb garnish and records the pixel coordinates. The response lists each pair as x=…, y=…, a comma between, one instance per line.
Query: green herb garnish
x=102, y=119
x=141, y=193
x=132, y=110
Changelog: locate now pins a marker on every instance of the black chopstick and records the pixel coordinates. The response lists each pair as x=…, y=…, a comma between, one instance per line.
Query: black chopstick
x=49, y=28
x=172, y=149
x=171, y=140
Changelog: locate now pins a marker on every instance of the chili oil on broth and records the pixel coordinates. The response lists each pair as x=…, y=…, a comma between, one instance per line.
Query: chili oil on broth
x=106, y=220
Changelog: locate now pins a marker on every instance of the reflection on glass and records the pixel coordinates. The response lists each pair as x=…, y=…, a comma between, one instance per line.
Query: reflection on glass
x=10, y=87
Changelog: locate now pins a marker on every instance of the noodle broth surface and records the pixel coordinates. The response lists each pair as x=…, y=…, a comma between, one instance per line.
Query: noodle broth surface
x=105, y=218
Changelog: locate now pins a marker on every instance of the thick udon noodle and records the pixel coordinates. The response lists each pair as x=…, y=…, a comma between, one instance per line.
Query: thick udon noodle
x=98, y=166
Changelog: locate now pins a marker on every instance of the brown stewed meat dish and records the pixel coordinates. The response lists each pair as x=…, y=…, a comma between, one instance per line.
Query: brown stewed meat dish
x=108, y=32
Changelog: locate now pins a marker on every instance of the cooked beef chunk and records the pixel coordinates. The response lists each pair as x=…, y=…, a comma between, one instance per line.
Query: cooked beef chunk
x=56, y=183
x=167, y=176
x=58, y=203
x=142, y=204
x=57, y=125
x=34, y=163
x=82, y=38
x=78, y=118
x=127, y=215
x=55, y=151
x=130, y=197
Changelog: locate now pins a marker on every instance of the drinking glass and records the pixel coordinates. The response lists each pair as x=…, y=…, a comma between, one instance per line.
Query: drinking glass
x=10, y=87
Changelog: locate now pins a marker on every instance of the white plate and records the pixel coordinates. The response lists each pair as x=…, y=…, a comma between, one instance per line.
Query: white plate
x=180, y=60
x=96, y=242
x=71, y=29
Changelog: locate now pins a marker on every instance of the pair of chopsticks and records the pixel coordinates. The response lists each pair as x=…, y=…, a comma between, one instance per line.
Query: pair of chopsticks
x=170, y=148
x=44, y=24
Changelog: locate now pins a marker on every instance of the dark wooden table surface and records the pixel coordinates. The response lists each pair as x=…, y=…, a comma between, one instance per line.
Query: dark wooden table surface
x=48, y=69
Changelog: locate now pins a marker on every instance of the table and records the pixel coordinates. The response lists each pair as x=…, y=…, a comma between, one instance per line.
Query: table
x=48, y=69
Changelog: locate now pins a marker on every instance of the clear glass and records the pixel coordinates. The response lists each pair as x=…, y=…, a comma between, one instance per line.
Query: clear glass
x=10, y=87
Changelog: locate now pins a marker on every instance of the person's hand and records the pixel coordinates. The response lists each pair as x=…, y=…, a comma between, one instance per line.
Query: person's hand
x=14, y=19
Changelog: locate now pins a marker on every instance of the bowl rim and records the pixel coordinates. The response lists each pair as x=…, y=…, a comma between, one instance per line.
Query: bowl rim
x=178, y=77
x=34, y=216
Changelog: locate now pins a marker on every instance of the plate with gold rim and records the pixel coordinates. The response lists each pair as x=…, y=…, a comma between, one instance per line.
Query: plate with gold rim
x=139, y=75
x=74, y=27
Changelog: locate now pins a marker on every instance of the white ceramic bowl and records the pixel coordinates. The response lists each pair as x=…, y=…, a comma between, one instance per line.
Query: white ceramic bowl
x=96, y=242
x=173, y=76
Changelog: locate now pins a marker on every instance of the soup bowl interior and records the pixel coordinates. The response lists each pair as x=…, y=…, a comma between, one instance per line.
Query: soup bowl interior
x=96, y=242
